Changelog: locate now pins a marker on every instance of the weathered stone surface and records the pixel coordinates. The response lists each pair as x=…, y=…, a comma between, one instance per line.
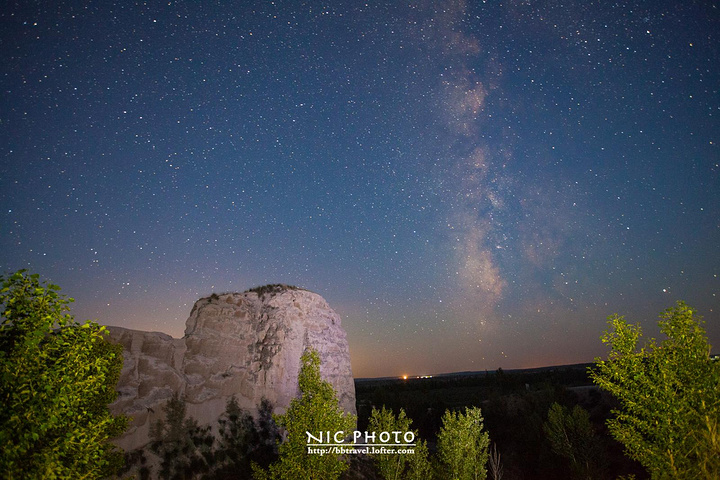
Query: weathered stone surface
x=241, y=344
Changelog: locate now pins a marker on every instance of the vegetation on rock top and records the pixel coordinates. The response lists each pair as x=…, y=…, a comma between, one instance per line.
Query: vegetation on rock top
x=271, y=289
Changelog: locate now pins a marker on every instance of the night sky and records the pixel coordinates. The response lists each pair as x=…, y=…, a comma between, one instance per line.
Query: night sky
x=469, y=185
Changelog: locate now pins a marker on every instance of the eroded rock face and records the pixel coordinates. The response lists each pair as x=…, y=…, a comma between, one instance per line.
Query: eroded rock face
x=241, y=344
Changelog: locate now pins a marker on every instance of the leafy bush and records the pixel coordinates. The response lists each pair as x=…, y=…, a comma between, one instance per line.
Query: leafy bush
x=463, y=445
x=57, y=378
x=572, y=436
x=316, y=410
x=243, y=440
x=669, y=393
x=419, y=467
x=390, y=466
x=185, y=448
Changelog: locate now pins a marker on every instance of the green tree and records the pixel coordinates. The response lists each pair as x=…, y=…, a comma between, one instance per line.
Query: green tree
x=419, y=467
x=390, y=466
x=571, y=435
x=184, y=447
x=243, y=440
x=267, y=436
x=57, y=378
x=316, y=410
x=669, y=395
x=462, y=445
x=237, y=434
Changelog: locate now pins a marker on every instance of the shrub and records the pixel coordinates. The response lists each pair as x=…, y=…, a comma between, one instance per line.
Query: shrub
x=669, y=395
x=572, y=436
x=316, y=410
x=463, y=445
x=57, y=378
x=390, y=466
x=185, y=449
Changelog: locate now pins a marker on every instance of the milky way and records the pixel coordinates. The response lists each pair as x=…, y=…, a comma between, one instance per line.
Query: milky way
x=470, y=185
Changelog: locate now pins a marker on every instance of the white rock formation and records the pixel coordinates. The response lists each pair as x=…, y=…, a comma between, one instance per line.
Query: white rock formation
x=243, y=344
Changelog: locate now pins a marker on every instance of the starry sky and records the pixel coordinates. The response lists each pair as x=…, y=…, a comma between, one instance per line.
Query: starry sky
x=470, y=185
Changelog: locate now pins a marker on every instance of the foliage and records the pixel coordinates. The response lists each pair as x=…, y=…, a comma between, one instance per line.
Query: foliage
x=669, y=393
x=316, y=410
x=57, y=378
x=243, y=440
x=271, y=289
x=189, y=451
x=463, y=445
x=514, y=412
x=572, y=436
x=266, y=437
x=390, y=466
x=236, y=429
x=136, y=460
x=185, y=449
x=419, y=467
